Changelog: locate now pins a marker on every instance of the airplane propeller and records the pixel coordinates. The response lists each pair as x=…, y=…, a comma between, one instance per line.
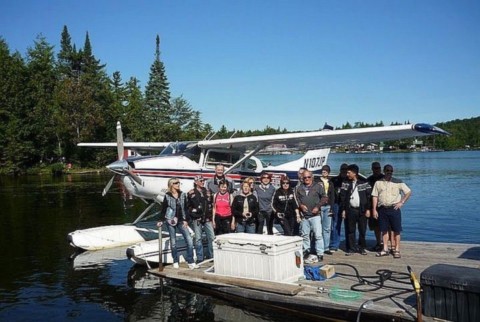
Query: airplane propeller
x=121, y=166
x=107, y=187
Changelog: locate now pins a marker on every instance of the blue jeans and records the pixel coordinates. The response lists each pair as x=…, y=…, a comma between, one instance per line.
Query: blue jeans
x=243, y=227
x=336, y=225
x=172, y=230
x=326, y=225
x=312, y=224
x=197, y=227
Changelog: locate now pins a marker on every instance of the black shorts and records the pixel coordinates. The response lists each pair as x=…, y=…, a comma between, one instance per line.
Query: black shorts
x=389, y=218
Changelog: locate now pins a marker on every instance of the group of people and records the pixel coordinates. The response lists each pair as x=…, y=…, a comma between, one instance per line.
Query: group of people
x=312, y=209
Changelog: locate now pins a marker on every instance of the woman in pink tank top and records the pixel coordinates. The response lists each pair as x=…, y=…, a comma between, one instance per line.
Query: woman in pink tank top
x=222, y=210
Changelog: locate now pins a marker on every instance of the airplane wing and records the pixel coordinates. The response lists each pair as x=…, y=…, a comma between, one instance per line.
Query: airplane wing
x=327, y=138
x=132, y=145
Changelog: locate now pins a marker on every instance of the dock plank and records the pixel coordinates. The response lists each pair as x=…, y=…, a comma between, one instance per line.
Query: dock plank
x=315, y=298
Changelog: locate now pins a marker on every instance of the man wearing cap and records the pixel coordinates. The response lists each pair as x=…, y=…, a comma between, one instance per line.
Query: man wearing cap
x=388, y=196
x=199, y=203
x=355, y=204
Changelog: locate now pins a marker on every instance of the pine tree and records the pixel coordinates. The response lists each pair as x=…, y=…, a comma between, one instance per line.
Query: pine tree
x=65, y=57
x=158, y=112
x=14, y=148
x=42, y=80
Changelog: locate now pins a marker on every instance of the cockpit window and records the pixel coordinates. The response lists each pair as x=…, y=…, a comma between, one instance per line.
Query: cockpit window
x=227, y=158
x=186, y=148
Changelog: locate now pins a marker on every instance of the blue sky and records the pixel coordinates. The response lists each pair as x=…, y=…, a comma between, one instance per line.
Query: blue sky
x=289, y=64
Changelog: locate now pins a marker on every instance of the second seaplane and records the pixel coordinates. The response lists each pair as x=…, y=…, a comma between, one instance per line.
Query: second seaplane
x=146, y=176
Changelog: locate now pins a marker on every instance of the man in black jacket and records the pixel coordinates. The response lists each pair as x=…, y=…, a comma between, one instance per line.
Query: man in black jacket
x=355, y=199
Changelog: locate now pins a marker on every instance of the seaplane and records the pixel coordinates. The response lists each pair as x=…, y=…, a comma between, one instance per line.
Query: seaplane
x=146, y=177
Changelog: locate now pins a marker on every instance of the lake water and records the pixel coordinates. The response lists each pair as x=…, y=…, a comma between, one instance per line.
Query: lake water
x=42, y=279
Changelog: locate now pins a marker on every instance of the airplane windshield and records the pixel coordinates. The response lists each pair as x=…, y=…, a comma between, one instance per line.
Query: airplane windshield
x=189, y=149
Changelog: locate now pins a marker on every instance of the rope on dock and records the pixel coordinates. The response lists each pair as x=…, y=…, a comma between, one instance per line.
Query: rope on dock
x=376, y=282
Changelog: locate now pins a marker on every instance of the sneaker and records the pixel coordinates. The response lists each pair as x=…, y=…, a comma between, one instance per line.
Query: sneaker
x=175, y=265
x=330, y=251
x=350, y=253
x=362, y=251
x=193, y=266
x=311, y=259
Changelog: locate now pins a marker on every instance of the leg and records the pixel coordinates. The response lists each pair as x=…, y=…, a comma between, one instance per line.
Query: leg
x=305, y=233
x=362, y=231
x=391, y=235
x=188, y=241
x=287, y=225
x=316, y=224
x=383, y=224
x=351, y=227
x=197, y=228
x=173, y=242
x=397, y=241
x=217, y=225
x=240, y=227
x=270, y=218
x=261, y=221
x=326, y=226
x=336, y=229
x=208, y=227
x=250, y=228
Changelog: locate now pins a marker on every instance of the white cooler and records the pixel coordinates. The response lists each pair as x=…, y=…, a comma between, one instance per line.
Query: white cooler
x=264, y=257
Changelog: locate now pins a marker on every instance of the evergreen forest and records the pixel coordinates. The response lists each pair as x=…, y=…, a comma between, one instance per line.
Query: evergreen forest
x=51, y=101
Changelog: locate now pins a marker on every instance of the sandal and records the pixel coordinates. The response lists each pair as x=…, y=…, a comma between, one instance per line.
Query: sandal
x=396, y=254
x=383, y=253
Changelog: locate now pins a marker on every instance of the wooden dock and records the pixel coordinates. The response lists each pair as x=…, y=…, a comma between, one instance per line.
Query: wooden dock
x=343, y=296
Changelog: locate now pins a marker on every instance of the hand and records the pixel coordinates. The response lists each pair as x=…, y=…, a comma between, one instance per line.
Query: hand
x=367, y=213
x=299, y=219
x=398, y=205
x=375, y=214
x=304, y=208
x=159, y=224
x=315, y=211
x=344, y=215
x=185, y=224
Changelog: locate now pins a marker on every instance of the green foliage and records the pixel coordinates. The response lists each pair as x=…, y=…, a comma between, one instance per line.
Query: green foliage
x=465, y=135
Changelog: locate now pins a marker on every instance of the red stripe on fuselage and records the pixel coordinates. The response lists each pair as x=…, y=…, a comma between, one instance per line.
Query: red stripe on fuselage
x=182, y=174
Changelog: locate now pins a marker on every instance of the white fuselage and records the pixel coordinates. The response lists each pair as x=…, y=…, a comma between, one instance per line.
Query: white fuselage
x=155, y=171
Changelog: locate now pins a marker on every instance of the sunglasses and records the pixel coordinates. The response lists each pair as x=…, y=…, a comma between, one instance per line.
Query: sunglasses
x=176, y=182
x=286, y=182
x=307, y=177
